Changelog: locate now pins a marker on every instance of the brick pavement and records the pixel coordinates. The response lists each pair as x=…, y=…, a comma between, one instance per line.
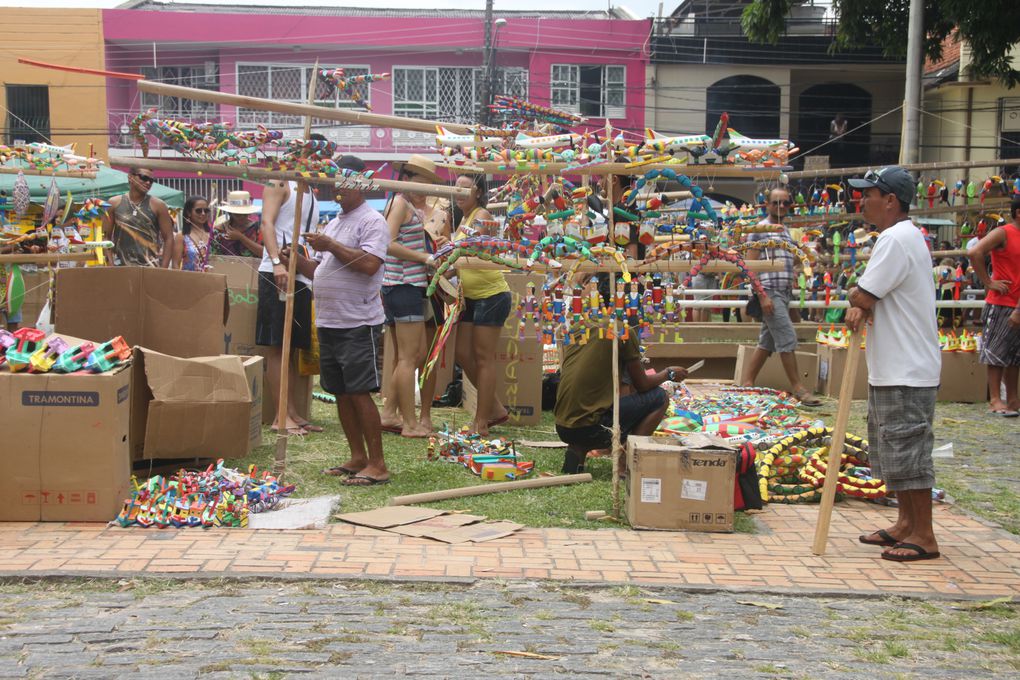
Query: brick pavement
x=978, y=560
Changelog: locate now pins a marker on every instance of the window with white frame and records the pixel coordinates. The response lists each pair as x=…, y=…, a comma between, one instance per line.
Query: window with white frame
x=205, y=76
x=597, y=91
x=449, y=93
x=289, y=82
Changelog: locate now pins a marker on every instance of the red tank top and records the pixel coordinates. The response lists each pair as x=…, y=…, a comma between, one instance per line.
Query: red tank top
x=1006, y=267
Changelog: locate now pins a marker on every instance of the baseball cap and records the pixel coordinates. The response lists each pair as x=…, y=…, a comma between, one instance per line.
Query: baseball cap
x=892, y=180
x=349, y=162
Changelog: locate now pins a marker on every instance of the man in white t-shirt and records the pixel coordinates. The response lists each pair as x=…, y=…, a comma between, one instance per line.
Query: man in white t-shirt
x=896, y=295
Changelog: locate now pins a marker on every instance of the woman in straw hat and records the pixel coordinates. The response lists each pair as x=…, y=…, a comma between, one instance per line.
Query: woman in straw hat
x=405, y=279
x=235, y=233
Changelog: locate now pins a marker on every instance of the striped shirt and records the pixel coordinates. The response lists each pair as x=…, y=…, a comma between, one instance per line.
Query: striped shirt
x=412, y=236
x=781, y=280
x=345, y=298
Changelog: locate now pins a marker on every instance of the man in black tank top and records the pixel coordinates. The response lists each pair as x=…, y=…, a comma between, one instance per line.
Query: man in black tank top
x=139, y=225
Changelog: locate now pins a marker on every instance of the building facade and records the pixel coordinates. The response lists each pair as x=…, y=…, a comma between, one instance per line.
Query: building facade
x=593, y=63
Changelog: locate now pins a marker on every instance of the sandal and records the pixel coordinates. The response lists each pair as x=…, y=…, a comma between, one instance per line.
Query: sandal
x=290, y=431
x=919, y=553
x=886, y=541
x=368, y=481
x=808, y=400
x=340, y=471
x=310, y=427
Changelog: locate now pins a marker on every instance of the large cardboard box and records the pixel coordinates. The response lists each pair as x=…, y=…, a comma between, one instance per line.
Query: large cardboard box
x=772, y=373
x=65, y=453
x=203, y=407
x=964, y=378
x=831, y=367
x=243, y=296
x=681, y=484
x=182, y=314
x=518, y=380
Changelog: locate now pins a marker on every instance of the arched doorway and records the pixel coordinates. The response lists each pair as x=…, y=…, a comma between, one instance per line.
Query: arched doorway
x=752, y=102
x=818, y=106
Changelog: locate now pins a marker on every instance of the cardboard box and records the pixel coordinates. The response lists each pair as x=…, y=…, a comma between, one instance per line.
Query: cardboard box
x=243, y=296
x=65, y=454
x=203, y=407
x=772, y=373
x=302, y=396
x=831, y=363
x=182, y=314
x=964, y=378
x=518, y=282
x=518, y=380
x=681, y=484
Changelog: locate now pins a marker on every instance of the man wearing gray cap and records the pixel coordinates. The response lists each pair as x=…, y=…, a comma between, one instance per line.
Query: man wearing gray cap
x=896, y=295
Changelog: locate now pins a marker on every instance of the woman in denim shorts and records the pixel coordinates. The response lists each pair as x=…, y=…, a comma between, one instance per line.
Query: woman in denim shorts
x=405, y=279
x=486, y=307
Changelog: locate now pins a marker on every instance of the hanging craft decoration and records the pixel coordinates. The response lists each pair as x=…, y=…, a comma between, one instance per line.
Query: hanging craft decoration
x=337, y=79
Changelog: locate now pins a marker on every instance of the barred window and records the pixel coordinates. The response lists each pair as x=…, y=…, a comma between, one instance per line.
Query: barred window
x=289, y=82
x=450, y=93
x=205, y=77
x=595, y=91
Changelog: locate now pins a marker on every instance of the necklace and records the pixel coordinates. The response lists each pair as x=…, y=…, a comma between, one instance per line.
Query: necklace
x=202, y=252
x=135, y=207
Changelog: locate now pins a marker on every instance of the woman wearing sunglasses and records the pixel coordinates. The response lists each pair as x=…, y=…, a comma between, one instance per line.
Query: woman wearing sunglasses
x=191, y=246
x=139, y=225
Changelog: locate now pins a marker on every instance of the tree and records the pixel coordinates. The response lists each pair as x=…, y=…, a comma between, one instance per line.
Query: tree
x=989, y=27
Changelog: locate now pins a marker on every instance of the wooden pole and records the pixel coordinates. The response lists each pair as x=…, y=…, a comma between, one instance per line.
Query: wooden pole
x=262, y=174
x=990, y=205
x=32, y=172
x=308, y=110
x=846, y=396
x=478, y=490
x=280, y=462
x=956, y=165
x=44, y=258
x=617, y=447
x=715, y=172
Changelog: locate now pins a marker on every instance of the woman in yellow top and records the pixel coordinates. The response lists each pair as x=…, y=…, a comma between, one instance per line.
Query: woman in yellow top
x=486, y=308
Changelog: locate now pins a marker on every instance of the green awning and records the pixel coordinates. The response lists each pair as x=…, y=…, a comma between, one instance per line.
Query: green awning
x=107, y=184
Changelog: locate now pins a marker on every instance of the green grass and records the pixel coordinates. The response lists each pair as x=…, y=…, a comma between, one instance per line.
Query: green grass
x=412, y=473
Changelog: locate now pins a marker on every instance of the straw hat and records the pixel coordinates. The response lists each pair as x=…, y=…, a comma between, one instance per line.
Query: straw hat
x=239, y=202
x=861, y=235
x=420, y=165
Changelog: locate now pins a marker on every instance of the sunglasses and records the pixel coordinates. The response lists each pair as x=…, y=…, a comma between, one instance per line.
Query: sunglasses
x=876, y=179
x=146, y=178
x=786, y=203
x=200, y=210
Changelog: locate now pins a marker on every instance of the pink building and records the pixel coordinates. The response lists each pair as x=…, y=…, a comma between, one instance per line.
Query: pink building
x=590, y=62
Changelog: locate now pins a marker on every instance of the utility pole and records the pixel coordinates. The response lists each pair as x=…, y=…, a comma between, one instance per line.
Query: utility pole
x=911, y=133
x=488, y=72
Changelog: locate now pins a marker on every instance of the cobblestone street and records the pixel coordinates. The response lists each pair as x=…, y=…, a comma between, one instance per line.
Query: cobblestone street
x=181, y=629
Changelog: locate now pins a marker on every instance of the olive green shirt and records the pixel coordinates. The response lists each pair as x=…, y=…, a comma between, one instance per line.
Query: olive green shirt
x=585, y=391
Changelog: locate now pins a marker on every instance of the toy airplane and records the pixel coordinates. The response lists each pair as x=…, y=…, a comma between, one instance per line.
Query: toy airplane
x=50, y=148
x=448, y=139
x=666, y=144
x=784, y=146
x=523, y=141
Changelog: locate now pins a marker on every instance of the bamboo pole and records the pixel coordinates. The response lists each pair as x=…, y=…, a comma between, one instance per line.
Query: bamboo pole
x=44, y=258
x=846, y=396
x=263, y=174
x=280, y=461
x=559, y=168
x=33, y=172
x=956, y=165
x=662, y=266
x=990, y=205
x=308, y=110
x=480, y=489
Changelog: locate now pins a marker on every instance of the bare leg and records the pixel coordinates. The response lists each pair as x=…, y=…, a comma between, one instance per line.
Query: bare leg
x=754, y=367
x=1009, y=376
x=484, y=342
x=273, y=365
x=650, y=422
x=995, y=402
x=409, y=341
x=915, y=509
x=428, y=389
x=294, y=386
x=389, y=412
x=352, y=430
x=370, y=433
x=789, y=361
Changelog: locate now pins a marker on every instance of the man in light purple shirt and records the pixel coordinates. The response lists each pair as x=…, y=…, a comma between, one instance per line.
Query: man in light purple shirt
x=347, y=277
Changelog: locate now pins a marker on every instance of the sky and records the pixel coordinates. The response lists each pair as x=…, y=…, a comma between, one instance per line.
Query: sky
x=642, y=8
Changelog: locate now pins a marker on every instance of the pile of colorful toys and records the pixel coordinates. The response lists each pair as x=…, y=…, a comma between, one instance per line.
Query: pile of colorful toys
x=491, y=459
x=739, y=414
x=28, y=350
x=219, y=496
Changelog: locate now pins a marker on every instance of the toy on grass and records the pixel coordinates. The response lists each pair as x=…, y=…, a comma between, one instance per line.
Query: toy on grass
x=492, y=459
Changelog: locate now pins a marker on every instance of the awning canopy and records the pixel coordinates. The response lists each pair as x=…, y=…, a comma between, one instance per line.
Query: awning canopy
x=107, y=184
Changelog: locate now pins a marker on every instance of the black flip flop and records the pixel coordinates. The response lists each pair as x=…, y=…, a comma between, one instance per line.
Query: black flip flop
x=372, y=481
x=887, y=539
x=922, y=554
x=339, y=471
x=393, y=429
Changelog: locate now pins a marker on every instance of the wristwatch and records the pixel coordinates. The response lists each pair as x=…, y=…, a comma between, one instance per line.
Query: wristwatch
x=671, y=375
x=276, y=261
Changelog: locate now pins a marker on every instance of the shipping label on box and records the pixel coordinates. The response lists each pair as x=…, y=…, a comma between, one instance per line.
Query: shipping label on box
x=681, y=484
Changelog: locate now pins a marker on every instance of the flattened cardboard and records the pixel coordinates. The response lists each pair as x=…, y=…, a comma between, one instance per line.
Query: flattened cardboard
x=772, y=374
x=390, y=516
x=182, y=314
x=437, y=523
x=243, y=297
x=518, y=380
x=200, y=407
x=681, y=484
x=65, y=453
x=475, y=533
